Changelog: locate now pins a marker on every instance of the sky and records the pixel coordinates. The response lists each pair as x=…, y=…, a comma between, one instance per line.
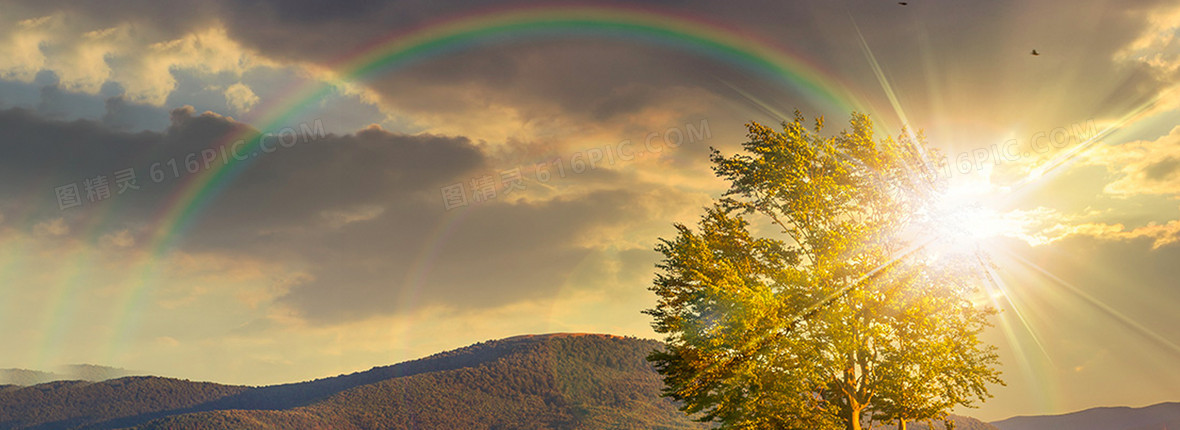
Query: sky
x=433, y=175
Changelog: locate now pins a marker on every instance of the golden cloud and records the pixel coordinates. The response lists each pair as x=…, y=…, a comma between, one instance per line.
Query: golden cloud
x=240, y=98
x=1160, y=234
x=1143, y=167
x=1157, y=47
x=86, y=58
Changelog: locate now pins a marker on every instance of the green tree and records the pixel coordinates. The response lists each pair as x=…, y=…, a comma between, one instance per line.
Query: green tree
x=836, y=312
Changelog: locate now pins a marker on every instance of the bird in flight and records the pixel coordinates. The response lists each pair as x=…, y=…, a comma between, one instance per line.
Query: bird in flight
x=1034, y=52
x=902, y=3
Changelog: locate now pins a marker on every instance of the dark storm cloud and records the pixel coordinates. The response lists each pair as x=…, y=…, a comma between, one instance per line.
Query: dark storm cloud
x=361, y=214
x=40, y=153
x=152, y=19
x=403, y=249
x=594, y=78
x=123, y=115
x=59, y=104
x=296, y=188
x=589, y=80
x=956, y=59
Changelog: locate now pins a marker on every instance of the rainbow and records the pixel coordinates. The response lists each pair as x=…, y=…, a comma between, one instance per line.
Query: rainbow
x=729, y=45
x=725, y=44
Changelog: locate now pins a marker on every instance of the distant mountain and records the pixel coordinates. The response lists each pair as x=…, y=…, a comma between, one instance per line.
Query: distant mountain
x=1157, y=417
x=75, y=372
x=27, y=377
x=568, y=381
x=961, y=423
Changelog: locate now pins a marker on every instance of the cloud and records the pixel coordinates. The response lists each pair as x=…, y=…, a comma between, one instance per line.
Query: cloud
x=1158, y=46
x=149, y=78
x=1044, y=226
x=240, y=98
x=519, y=89
x=20, y=53
x=85, y=55
x=55, y=228
x=123, y=115
x=1161, y=235
x=118, y=239
x=1142, y=167
x=294, y=33
x=342, y=217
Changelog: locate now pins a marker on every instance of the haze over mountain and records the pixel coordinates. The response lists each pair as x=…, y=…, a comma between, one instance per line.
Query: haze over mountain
x=73, y=372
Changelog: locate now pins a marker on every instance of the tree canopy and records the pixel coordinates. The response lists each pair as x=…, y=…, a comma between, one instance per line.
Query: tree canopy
x=806, y=297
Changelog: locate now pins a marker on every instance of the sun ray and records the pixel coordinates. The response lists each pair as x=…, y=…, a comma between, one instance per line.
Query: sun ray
x=879, y=73
x=1052, y=166
x=995, y=280
x=757, y=102
x=1093, y=301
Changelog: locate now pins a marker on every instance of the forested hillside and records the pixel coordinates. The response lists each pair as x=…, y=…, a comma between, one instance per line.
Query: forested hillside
x=73, y=404
x=548, y=381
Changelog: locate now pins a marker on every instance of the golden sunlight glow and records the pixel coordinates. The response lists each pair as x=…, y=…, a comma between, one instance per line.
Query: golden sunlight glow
x=963, y=218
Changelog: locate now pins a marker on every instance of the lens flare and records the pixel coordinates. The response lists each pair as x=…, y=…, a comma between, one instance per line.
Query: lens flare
x=961, y=220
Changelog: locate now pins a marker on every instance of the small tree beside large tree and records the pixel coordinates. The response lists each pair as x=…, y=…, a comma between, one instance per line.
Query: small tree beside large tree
x=808, y=298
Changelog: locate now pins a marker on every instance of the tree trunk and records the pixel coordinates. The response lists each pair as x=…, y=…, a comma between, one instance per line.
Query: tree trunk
x=901, y=425
x=854, y=421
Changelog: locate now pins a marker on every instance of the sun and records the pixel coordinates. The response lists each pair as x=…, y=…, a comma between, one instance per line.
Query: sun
x=963, y=219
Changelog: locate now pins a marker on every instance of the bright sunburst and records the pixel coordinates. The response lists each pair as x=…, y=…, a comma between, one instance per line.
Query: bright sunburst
x=963, y=217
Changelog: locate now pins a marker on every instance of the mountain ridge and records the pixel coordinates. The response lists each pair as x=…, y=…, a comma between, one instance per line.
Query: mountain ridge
x=72, y=372
x=1162, y=415
x=556, y=380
